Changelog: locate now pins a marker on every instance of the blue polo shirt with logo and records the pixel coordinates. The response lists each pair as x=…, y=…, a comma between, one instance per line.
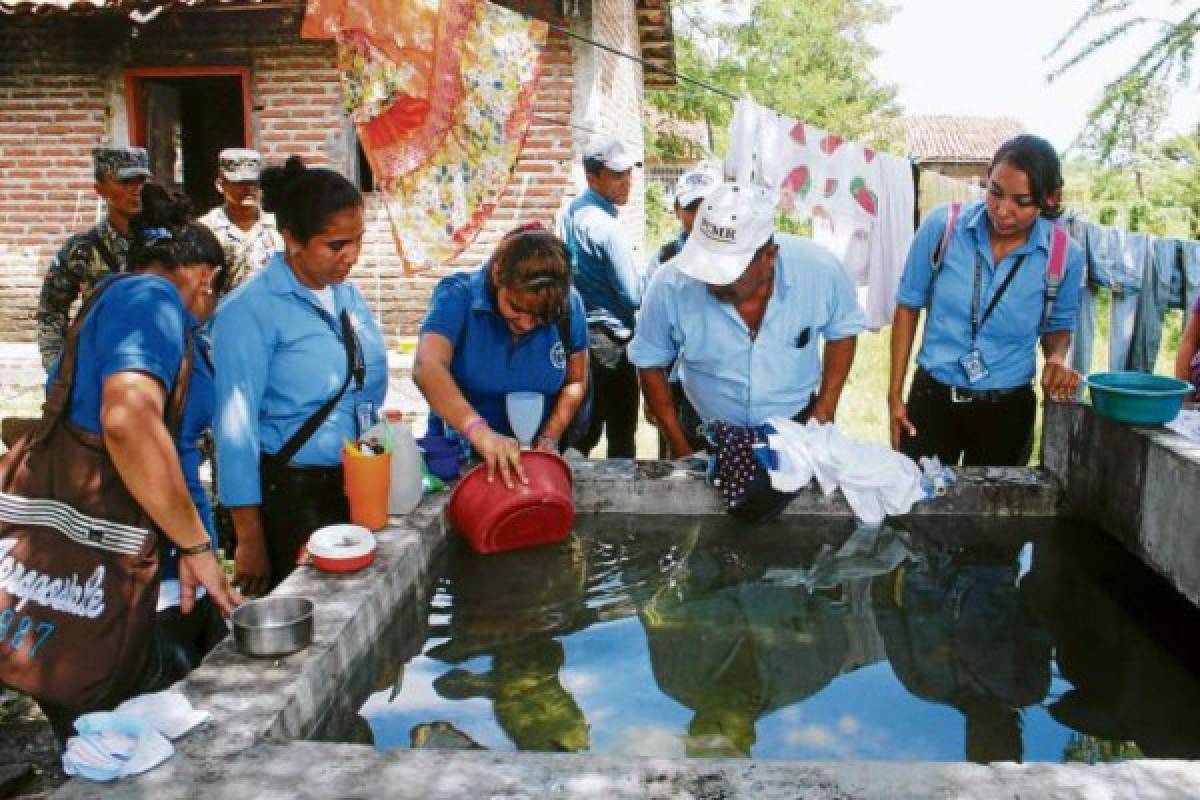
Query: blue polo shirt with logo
x=488, y=362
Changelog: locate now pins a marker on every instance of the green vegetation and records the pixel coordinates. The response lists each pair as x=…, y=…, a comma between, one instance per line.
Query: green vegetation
x=812, y=64
x=1137, y=94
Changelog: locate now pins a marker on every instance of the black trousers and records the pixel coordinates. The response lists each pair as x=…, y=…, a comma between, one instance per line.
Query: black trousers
x=614, y=409
x=178, y=645
x=994, y=432
x=295, y=502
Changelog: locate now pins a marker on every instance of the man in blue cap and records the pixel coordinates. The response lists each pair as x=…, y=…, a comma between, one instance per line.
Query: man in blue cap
x=609, y=282
x=86, y=257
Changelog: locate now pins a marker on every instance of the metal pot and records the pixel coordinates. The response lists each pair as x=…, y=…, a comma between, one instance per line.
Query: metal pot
x=273, y=626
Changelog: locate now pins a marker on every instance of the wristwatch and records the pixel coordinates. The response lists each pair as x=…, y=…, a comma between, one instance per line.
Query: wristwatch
x=195, y=550
x=550, y=439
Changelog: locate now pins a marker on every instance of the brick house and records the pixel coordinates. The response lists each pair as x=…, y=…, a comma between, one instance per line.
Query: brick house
x=213, y=73
x=957, y=147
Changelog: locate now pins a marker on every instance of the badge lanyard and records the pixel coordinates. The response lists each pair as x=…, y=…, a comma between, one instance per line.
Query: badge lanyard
x=977, y=321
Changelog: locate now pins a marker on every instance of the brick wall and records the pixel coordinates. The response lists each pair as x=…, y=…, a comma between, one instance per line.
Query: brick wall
x=608, y=97
x=61, y=91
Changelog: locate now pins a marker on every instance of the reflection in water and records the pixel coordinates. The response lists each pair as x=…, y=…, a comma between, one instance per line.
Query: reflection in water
x=958, y=633
x=746, y=634
x=511, y=605
x=1123, y=642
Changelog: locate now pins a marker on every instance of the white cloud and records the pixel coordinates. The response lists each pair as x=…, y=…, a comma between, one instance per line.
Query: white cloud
x=816, y=736
x=650, y=741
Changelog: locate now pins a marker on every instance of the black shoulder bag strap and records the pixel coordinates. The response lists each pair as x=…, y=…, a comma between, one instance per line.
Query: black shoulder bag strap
x=93, y=236
x=355, y=368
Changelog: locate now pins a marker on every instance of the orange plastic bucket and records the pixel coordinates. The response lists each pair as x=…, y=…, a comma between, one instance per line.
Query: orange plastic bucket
x=494, y=518
x=367, y=480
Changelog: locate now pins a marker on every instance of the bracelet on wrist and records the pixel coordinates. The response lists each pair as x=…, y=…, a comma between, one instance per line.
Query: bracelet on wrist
x=545, y=437
x=471, y=425
x=195, y=550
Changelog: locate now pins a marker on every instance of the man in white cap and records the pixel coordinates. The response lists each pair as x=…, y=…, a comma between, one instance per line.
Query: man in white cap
x=247, y=235
x=609, y=282
x=741, y=310
x=85, y=258
x=691, y=188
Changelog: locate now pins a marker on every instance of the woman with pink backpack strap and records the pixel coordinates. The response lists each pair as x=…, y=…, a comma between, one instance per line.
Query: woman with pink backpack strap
x=995, y=278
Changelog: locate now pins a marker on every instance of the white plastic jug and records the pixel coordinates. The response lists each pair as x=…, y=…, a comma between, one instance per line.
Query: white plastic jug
x=406, y=485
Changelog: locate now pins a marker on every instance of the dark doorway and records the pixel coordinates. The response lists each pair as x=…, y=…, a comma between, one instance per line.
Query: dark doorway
x=184, y=121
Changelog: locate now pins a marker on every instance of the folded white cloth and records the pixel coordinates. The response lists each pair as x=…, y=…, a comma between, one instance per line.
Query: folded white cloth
x=875, y=480
x=170, y=713
x=112, y=745
x=1187, y=424
x=132, y=739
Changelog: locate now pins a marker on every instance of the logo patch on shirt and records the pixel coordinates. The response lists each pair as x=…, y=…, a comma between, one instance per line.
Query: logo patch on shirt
x=558, y=356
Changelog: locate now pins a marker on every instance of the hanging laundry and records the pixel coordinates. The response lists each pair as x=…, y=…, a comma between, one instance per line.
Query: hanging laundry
x=1127, y=274
x=935, y=189
x=817, y=173
x=1185, y=285
x=1105, y=249
x=1153, y=301
x=890, y=239
x=441, y=94
x=860, y=202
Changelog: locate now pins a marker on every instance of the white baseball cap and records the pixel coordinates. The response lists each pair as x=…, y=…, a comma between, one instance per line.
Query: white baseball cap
x=734, y=220
x=611, y=152
x=694, y=185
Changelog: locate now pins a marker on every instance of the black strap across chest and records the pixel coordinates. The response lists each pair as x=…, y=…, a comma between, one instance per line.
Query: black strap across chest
x=976, y=320
x=356, y=369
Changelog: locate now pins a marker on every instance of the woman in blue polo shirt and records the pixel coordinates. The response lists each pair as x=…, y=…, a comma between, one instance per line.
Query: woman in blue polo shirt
x=499, y=330
x=128, y=356
x=988, y=300
x=301, y=367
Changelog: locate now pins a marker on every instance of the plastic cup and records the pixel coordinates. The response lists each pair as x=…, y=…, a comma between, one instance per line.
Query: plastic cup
x=524, y=414
x=367, y=481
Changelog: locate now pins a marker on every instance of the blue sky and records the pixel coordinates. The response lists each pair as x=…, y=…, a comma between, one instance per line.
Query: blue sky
x=987, y=58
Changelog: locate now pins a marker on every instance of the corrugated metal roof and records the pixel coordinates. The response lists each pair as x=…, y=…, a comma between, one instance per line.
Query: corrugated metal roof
x=959, y=139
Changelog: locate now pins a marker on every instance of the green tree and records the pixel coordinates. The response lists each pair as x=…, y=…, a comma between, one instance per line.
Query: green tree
x=811, y=62
x=1167, y=62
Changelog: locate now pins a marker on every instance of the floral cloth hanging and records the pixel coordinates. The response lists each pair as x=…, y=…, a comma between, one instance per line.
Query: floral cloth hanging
x=441, y=94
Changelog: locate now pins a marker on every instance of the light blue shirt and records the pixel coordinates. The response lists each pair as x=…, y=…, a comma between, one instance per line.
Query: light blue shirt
x=605, y=273
x=730, y=376
x=1008, y=338
x=280, y=357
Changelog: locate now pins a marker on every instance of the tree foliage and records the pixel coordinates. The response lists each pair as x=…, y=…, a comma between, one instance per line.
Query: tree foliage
x=810, y=61
x=1134, y=95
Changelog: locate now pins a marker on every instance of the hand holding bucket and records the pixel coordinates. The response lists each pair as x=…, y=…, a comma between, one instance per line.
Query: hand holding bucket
x=367, y=480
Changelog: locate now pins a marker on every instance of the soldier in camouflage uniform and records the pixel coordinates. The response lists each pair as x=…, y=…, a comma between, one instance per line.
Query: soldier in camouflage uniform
x=87, y=257
x=248, y=236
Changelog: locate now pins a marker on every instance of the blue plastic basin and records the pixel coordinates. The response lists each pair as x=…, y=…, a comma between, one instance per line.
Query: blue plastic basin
x=1135, y=398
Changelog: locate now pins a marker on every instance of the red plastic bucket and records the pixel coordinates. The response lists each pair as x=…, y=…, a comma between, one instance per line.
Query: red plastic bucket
x=494, y=518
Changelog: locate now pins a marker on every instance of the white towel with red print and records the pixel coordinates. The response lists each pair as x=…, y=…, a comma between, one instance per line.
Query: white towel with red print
x=860, y=202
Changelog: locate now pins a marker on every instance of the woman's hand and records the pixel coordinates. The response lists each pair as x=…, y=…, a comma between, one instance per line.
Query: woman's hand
x=1059, y=382
x=203, y=569
x=500, y=453
x=252, y=567
x=900, y=423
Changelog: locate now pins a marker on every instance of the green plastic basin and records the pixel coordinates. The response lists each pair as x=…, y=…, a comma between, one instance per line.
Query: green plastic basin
x=1135, y=398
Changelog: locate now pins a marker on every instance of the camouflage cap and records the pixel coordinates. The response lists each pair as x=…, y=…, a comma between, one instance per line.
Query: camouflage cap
x=120, y=162
x=239, y=164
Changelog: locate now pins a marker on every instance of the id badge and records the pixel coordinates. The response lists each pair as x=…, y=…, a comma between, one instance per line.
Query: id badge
x=364, y=413
x=972, y=364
